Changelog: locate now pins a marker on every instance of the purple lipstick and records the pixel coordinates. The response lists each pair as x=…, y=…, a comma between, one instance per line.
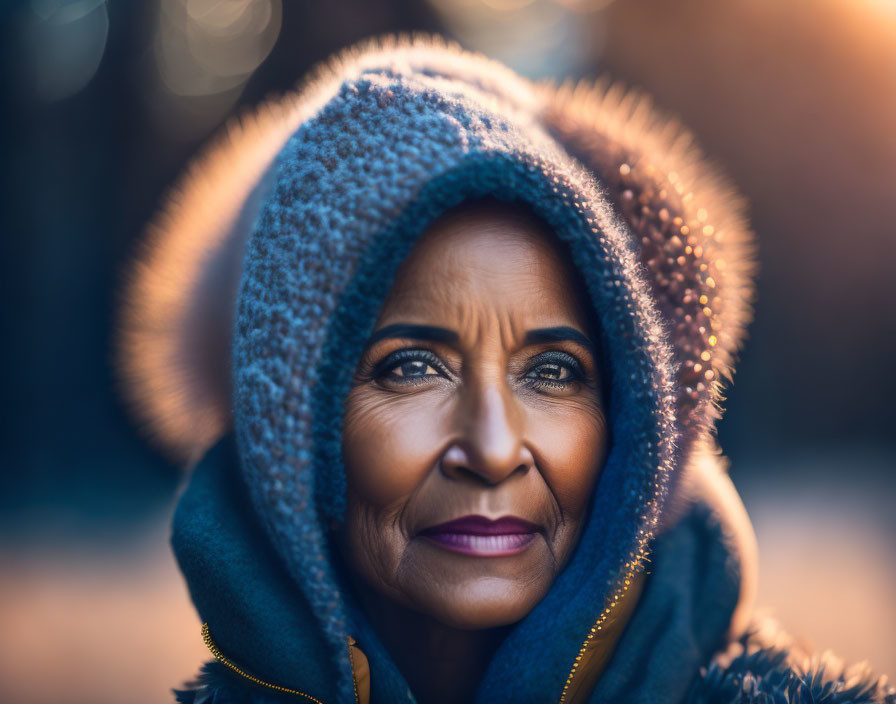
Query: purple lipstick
x=482, y=537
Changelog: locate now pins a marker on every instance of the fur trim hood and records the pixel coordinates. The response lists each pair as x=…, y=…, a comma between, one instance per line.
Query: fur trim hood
x=265, y=272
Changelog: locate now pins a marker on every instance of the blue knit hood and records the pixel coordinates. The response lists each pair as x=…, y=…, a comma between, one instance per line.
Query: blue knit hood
x=317, y=199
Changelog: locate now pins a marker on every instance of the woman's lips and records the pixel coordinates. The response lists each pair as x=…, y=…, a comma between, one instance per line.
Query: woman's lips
x=482, y=537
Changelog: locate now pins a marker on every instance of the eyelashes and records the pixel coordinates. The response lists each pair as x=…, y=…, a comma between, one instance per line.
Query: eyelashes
x=553, y=370
x=409, y=366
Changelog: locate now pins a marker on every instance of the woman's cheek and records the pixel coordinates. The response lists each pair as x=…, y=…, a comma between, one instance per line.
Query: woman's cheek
x=391, y=441
x=570, y=442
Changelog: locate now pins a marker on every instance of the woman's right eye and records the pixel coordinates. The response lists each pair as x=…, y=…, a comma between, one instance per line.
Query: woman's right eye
x=409, y=366
x=413, y=368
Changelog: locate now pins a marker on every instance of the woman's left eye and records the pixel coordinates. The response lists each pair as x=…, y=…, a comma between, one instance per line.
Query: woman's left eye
x=554, y=370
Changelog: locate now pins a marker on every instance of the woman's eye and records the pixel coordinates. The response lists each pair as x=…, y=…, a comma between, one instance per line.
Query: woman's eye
x=413, y=368
x=554, y=370
x=409, y=366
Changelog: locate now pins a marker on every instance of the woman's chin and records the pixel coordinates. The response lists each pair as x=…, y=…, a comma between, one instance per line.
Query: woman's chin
x=482, y=603
x=474, y=592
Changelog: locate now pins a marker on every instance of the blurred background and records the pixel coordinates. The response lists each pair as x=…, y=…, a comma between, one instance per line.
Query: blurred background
x=105, y=102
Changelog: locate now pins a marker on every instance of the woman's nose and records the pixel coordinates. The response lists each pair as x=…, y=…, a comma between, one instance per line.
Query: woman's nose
x=490, y=443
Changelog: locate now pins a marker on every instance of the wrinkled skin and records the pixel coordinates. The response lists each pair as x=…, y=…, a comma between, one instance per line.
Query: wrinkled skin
x=487, y=418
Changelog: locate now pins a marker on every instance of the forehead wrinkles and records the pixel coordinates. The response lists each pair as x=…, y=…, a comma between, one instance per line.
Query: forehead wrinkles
x=483, y=303
x=503, y=327
x=476, y=317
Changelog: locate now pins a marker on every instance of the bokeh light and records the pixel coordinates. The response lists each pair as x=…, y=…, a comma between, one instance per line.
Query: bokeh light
x=204, y=53
x=62, y=43
x=204, y=47
x=537, y=38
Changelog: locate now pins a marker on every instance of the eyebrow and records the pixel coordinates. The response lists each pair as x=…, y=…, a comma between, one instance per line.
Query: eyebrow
x=415, y=332
x=558, y=334
x=437, y=334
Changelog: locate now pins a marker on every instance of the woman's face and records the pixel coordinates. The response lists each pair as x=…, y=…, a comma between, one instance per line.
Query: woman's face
x=474, y=431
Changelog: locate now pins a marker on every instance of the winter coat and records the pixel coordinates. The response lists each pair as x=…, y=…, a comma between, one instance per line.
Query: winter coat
x=265, y=274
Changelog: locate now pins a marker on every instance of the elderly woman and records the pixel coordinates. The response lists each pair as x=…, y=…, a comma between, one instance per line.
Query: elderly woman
x=469, y=334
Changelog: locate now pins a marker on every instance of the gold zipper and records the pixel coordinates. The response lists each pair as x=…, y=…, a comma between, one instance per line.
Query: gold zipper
x=224, y=660
x=598, y=627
